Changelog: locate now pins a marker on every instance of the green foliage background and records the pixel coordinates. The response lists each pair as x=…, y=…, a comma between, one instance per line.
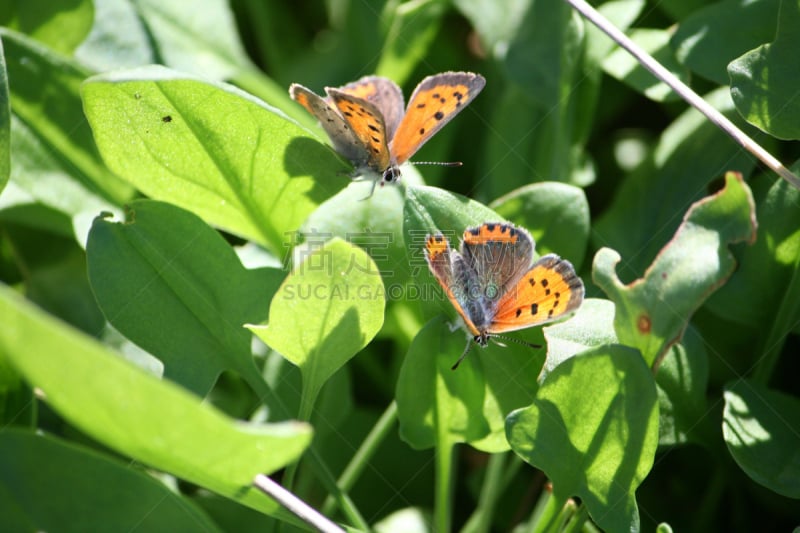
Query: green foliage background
x=164, y=204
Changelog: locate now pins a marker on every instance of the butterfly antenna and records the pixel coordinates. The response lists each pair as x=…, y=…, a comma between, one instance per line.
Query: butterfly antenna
x=513, y=339
x=439, y=163
x=463, y=355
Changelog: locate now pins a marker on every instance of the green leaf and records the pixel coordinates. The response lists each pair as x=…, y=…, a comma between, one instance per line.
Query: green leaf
x=760, y=429
x=652, y=312
x=716, y=34
x=171, y=284
x=210, y=148
x=60, y=24
x=767, y=268
x=468, y=404
x=593, y=430
x=152, y=421
x=372, y=224
x=556, y=214
x=592, y=325
x=495, y=22
x=200, y=41
x=544, y=54
x=51, y=485
x=329, y=307
x=623, y=66
x=764, y=80
x=45, y=96
x=118, y=39
x=621, y=13
x=689, y=155
x=17, y=407
x=682, y=382
x=413, y=27
x=5, y=123
x=430, y=209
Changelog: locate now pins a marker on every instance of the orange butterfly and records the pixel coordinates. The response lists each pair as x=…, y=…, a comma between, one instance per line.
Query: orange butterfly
x=493, y=286
x=366, y=122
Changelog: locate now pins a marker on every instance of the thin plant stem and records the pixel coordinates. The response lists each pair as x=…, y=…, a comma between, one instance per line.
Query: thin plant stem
x=362, y=456
x=577, y=520
x=481, y=519
x=782, y=324
x=691, y=97
x=445, y=473
x=545, y=513
x=342, y=498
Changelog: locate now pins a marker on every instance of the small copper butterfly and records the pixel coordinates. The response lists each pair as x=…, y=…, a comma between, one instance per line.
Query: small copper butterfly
x=367, y=124
x=493, y=286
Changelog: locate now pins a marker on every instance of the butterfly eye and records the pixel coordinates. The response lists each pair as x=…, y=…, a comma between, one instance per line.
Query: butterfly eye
x=390, y=175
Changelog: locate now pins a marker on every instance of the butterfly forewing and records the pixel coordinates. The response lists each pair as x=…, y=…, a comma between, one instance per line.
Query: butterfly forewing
x=368, y=125
x=436, y=100
x=338, y=130
x=548, y=291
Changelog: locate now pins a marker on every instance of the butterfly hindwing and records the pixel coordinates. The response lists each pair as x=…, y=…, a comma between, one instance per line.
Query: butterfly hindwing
x=548, y=291
x=501, y=254
x=435, y=101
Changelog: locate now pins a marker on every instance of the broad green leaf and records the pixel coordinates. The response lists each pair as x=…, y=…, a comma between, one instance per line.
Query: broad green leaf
x=768, y=267
x=60, y=286
x=52, y=485
x=40, y=180
x=496, y=22
x=682, y=382
x=512, y=136
x=373, y=223
x=200, y=41
x=716, y=34
x=413, y=27
x=624, y=67
x=593, y=430
x=152, y=421
x=652, y=311
x=171, y=284
x=764, y=80
x=468, y=404
x=544, y=55
x=60, y=24
x=430, y=209
x=212, y=149
x=556, y=214
x=329, y=307
x=689, y=155
x=5, y=123
x=592, y=325
x=118, y=39
x=45, y=97
x=621, y=13
x=760, y=428
x=546, y=59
